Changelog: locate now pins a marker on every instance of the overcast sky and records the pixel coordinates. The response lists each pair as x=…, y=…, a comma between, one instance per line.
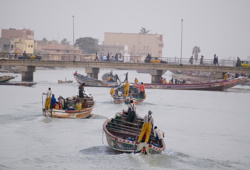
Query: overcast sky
x=216, y=26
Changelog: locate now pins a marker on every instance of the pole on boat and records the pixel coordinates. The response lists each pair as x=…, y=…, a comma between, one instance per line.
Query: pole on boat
x=181, y=39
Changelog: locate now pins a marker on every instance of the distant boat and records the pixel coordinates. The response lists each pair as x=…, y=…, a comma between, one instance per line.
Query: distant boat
x=220, y=85
x=89, y=81
x=122, y=135
x=73, y=113
x=134, y=94
x=66, y=81
x=6, y=78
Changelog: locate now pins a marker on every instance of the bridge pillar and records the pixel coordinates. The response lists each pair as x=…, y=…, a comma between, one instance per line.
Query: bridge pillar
x=92, y=72
x=27, y=73
x=155, y=75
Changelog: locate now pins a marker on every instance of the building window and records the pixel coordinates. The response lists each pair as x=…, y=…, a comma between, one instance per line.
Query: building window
x=31, y=46
x=11, y=46
x=67, y=51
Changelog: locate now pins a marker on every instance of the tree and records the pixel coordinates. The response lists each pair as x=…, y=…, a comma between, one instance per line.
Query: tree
x=64, y=41
x=87, y=44
x=144, y=31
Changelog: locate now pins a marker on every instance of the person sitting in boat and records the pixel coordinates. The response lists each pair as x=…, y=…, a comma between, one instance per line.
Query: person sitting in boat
x=53, y=101
x=170, y=82
x=142, y=90
x=48, y=99
x=136, y=80
x=112, y=91
x=159, y=135
x=126, y=89
x=147, y=125
x=78, y=105
x=81, y=90
x=57, y=106
x=225, y=76
x=164, y=81
x=108, y=78
x=61, y=101
x=131, y=112
x=75, y=73
x=85, y=104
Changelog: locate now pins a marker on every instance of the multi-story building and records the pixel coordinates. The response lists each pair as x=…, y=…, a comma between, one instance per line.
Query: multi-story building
x=136, y=44
x=14, y=33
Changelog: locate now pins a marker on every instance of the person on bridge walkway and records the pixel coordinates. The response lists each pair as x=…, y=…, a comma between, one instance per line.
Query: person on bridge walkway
x=96, y=57
x=48, y=99
x=201, y=60
x=147, y=125
x=126, y=89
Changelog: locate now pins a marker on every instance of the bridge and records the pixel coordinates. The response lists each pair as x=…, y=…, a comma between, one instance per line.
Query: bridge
x=92, y=68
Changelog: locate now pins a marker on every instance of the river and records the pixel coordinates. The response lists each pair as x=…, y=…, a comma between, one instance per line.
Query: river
x=203, y=129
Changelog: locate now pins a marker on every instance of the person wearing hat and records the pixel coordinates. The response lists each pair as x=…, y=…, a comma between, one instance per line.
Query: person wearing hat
x=48, y=99
x=126, y=89
x=131, y=111
x=147, y=125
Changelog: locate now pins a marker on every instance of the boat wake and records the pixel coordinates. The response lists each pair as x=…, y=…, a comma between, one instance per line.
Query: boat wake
x=188, y=161
x=99, y=150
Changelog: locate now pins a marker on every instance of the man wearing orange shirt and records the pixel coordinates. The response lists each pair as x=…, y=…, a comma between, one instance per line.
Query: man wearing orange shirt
x=142, y=90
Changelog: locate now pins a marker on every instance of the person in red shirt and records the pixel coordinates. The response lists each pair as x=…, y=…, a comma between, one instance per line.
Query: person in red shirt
x=142, y=90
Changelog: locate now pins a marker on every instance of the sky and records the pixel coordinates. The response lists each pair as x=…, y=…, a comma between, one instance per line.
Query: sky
x=219, y=27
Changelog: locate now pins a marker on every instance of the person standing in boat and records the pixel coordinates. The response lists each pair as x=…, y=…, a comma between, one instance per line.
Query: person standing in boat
x=53, y=101
x=142, y=90
x=147, y=125
x=136, y=80
x=81, y=90
x=159, y=135
x=126, y=89
x=112, y=91
x=131, y=112
x=48, y=99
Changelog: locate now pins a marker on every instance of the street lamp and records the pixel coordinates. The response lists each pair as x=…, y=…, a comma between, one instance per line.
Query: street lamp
x=74, y=55
x=181, y=39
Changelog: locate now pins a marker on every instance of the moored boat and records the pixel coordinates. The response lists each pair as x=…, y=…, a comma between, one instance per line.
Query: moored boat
x=12, y=83
x=122, y=135
x=66, y=81
x=89, y=81
x=220, y=85
x=134, y=94
x=70, y=111
x=6, y=78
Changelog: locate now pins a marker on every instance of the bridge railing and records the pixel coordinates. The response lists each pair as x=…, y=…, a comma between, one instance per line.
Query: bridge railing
x=136, y=59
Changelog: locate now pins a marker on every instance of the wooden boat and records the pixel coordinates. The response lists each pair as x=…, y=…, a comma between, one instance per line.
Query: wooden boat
x=134, y=94
x=28, y=84
x=72, y=114
x=6, y=78
x=89, y=81
x=122, y=135
x=211, y=86
x=66, y=81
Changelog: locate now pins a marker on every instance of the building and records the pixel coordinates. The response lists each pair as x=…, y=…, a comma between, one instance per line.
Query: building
x=52, y=50
x=14, y=33
x=136, y=44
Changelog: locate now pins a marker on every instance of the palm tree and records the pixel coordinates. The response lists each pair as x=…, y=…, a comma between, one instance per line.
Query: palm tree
x=144, y=31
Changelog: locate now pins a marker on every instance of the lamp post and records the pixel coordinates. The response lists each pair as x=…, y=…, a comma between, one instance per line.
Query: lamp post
x=74, y=55
x=181, y=39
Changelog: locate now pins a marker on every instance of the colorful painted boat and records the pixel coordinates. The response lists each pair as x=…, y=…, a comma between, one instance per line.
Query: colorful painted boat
x=122, y=135
x=6, y=78
x=89, y=81
x=211, y=86
x=134, y=94
x=72, y=114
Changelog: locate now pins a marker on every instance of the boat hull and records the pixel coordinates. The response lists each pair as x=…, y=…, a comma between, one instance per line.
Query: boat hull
x=70, y=114
x=127, y=146
x=93, y=82
x=212, y=86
